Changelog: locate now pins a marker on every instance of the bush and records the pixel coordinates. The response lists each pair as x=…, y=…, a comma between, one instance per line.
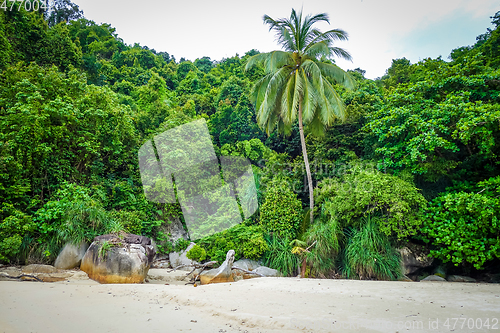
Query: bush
x=197, y=253
x=246, y=241
x=74, y=215
x=181, y=244
x=13, y=229
x=369, y=254
x=327, y=236
x=464, y=227
x=280, y=256
x=281, y=213
x=363, y=192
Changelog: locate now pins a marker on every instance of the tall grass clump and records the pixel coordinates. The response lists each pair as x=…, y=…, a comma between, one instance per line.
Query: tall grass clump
x=280, y=256
x=326, y=237
x=84, y=220
x=369, y=254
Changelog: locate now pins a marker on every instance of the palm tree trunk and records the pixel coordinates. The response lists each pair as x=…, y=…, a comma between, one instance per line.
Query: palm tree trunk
x=306, y=162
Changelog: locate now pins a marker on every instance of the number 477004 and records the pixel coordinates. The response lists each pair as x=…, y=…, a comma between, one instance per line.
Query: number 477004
x=27, y=5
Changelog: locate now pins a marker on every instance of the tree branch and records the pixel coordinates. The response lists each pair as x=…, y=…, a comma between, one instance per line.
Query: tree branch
x=248, y=272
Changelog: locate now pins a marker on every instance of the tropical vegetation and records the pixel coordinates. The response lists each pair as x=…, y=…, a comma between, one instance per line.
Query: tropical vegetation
x=347, y=169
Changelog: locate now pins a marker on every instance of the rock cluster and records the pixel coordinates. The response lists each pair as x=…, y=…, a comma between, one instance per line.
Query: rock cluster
x=113, y=259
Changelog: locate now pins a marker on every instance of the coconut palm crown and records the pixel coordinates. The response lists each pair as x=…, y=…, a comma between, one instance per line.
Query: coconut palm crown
x=297, y=84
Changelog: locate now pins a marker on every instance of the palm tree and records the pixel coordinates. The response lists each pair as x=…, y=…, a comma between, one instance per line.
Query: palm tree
x=298, y=81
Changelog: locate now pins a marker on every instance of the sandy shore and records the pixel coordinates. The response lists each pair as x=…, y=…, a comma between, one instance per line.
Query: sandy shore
x=256, y=305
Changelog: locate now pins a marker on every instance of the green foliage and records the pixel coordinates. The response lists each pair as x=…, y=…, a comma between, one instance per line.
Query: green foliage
x=15, y=227
x=76, y=103
x=75, y=216
x=281, y=213
x=253, y=149
x=58, y=128
x=370, y=255
x=327, y=237
x=363, y=191
x=132, y=222
x=280, y=256
x=103, y=250
x=463, y=227
x=197, y=253
x=181, y=244
x=442, y=124
x=246, y=241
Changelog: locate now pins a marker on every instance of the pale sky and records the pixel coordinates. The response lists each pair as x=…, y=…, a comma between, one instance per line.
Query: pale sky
x=379, y=30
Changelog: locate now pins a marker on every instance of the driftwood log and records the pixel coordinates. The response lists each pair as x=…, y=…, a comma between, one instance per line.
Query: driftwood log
x=20, y=276
x=196, y=266
x=248, y=272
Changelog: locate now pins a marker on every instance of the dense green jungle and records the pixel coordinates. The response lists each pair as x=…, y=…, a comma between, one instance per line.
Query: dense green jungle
x=411, y=159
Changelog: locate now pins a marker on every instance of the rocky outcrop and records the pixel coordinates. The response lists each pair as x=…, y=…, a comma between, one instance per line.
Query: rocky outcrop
x=221, y=274
x=118, y=259
x=180, y=259
x=161, y=261
x=415, y=259
x=267, y=272
x=71, y=255
x=459, y=278
x=174, y=229
x=254, y=269
x=433, y=278
x=247, y=264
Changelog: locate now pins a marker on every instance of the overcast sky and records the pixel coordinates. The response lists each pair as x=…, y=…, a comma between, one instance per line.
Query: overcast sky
x=379, y=30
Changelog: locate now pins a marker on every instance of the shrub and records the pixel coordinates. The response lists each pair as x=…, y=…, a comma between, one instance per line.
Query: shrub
x=281, y=213
x=13, y=229
x=369, y=254
x=131, y=221
x=280, y=256
x=197, y=253
x=246, y=241
x=327, y=236
x=464, y=227
x=74, y=215
x=363, y=192
x=181, y=244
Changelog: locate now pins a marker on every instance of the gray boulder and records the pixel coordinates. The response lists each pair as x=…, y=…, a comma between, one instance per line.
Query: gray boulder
x=221, y=274
x=415, y=258
x=253, y=267
x=433, y=278
x=180, y=258
x=459, y=278
x=267, y=272
x=246, y=264
x=174, y=229
x=71, y=255
x=118, y=259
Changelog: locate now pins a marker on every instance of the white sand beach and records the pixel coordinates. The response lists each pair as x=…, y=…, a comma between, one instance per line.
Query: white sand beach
x=256, y=305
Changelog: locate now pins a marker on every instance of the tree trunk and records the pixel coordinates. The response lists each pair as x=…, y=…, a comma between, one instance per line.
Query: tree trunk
x=306, y=162
x=303, y=270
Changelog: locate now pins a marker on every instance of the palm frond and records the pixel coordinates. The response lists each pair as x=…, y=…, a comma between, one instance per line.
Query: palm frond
x=318, y=49
x=314, y=93
x=272, y=97
x=335, y=35
x=341, y=53
x=258, y=91
x=336, y=107
x=256, y=60
x=336, y=74
x=287, y=97
x=276, y=60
